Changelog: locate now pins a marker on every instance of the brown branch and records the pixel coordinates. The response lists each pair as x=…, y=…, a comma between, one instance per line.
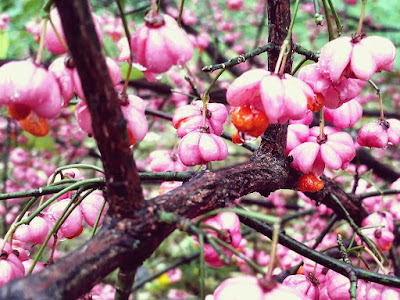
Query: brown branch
x=278, y=25
x=123, y=184
x=381, y=170
x=75, y=274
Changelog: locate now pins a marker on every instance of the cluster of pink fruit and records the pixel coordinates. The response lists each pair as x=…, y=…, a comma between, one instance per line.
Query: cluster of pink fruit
x=38, y=229
x=343, y=68
x=200, y=131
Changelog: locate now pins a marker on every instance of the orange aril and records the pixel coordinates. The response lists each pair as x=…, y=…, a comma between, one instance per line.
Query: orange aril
x=180, y=122
x=236, y=139
x=388, y=247
x=300, y=270
x=309, y=183
x=132, y=140
x=18, y=111
x=35, y=125
x=319, y=102
x=249, y=120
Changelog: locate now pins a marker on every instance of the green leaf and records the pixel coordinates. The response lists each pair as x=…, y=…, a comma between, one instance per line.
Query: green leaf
x=4, y=43
x=45, y=143
x=135, y=73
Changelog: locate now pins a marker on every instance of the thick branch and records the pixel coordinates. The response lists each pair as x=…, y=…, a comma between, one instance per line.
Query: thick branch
x=109, y=126
x=76, y=274
x=278, y=25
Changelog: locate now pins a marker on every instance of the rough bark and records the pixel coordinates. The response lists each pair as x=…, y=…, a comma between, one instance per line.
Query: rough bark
x=109, y=126
x=278, y=25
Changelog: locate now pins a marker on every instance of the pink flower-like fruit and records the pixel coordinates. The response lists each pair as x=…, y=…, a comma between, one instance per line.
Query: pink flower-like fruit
x=189, y=118
x=72, y=226
x=334, y=94
x=91, y=208
x=280, y=98
x=164, y=160
x=335, y=151
x=160, y=43
x=344, y=116
x=306, y=285
x=25, y=86
x=198, y=147
x=227, y=222
x=379, y=134
x=358, y=57
x=53, y=43
x=133, y=111
x=63, y=74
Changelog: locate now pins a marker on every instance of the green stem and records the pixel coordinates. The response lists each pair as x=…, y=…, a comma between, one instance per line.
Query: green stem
x=64, y=215
x=328, y=20
x=360, y=22
x=206, y=226
x=240, y=212
x=206, y=96
x=59, y=37
x=319, y=19
x=128, y=37
x=159, y=5
x=167, y=176
x=99, y=182
x=180, y=13
x=80, y=184
x=343, y=250
x=378, y=193
x=353, y=285
x=51, y=189
x=299, y=65
x=319, y=258
x=98, y=219
x=47, y=6
x=321, y=125
x=356, y=228
x=274, y=244
x=64, y=181
x=202, y=266
x=376, y=260
x=249, y=262
x=296, y=8
x=339, y=25
x=39, y=55
x=75, y=166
